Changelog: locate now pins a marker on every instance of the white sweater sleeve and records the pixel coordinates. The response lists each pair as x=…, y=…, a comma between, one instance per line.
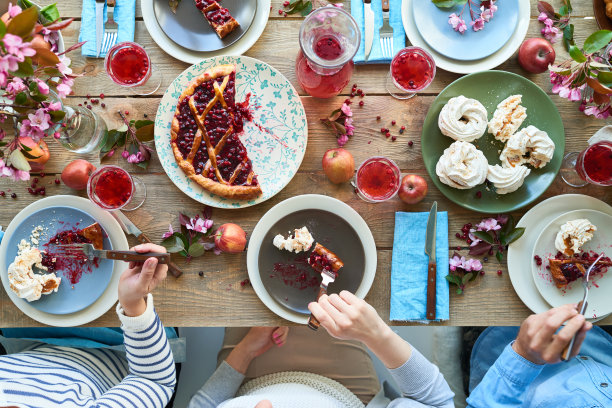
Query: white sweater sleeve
x=152, y=374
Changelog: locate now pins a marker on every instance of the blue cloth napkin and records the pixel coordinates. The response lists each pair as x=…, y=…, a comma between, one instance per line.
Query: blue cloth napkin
x=1, y=233
x=409, y=268
x=124, y=16
x=395, y=20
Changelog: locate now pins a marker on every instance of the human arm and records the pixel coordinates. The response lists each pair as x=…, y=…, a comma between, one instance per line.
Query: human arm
x=538, y=343
x=152, y=376
x=226, y=380
x=347, y=317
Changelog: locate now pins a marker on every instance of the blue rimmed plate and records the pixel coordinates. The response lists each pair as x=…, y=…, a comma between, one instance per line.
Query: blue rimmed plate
x=275, y=139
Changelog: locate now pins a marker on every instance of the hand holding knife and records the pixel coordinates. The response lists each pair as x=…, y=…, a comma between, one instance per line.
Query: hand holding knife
x=430, y=250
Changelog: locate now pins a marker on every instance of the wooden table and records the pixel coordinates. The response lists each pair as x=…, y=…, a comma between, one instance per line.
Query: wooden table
x=217, y=298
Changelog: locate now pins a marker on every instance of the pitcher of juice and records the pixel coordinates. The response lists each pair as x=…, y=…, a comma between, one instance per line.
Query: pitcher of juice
x=329, y=39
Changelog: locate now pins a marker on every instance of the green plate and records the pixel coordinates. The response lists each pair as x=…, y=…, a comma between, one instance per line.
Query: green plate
x=490, y=88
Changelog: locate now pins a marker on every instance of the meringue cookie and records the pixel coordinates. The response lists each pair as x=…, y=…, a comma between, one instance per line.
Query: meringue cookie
x=515, y=150
x=462, y=166
x=530, y=145
x=507, y=179
x=302, y=240
x=573, y=235
x=27, y=284
x=463, y=119
x=507, y=118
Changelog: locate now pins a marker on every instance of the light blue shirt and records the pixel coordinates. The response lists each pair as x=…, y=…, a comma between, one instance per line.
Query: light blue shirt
x=512, y=381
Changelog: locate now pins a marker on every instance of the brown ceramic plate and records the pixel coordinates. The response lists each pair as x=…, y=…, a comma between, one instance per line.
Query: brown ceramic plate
x=283, y=280
x=599, y=9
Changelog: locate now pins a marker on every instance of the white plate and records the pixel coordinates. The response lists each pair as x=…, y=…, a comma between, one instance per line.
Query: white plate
x=601, y=286
x=306, y=202
x=519, y=253
x=467, y=67
x=192, y=57
x=275, y=139
x=108, y=298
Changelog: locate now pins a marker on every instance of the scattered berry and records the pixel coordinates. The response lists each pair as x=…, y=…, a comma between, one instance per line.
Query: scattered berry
x=13, y=195
x=538, y=260
x=458, y=248
x=80, y=104
x=360, y=103
x=286, y=3
x=101, y=96
x=280, y=12
x=127, y=112
x=31, y=191
x=482, y=273
x=88, y=96
x=352, y=94
x=42, y=192
x=394, y=138
x=89, y=107
x=479, y=194
x=410, y=143
x=35, y=180
x=57, y=181
x=42, y=175
x=33, y=185
x=392, y=123
x=145, y=115
x=245, y=282
x=387, y=134
x=485, y=259
x=201, y=273
x=403, y=128
x=378, y=118
x=103, y=105
x=458, y=235
x=355, y=86
x=499, y=272
x=383, y=130
x=347, y=101
x=2, y=193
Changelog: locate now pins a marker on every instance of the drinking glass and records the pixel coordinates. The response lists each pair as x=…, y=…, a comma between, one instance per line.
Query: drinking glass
x=412, y=70
x=377, y=179
x=113, y=188
x=128, y=64
x=82, y=130
x=591, y=166
x=329, y=39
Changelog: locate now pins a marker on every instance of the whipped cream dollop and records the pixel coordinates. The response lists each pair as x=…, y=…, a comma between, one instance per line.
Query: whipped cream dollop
x=462, y=166
x=573, y=235
x=301, y=241
x=463, y=119
x=530, y=145
x=507, y=118
x=507, y=179
x=24, y=282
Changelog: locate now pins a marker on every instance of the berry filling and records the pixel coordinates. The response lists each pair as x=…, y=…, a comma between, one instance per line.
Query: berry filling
x=202, y=4
x=319, y=262
x=72, y=268
x=219, y=16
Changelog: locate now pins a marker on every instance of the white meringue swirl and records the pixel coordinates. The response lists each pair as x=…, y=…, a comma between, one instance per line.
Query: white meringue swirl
x=573, y=235
x=529, y=145
x=507, y=118
x=462, y=166
x=463, y=119
x=507, y=179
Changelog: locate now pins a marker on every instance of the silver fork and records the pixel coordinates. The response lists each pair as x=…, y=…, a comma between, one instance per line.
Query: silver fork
x=110, y=28
x=386, y=32
x=87, y=251
x=582, y=306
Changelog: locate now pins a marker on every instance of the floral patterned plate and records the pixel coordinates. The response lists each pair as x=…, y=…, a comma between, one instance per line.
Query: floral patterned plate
x=276, y=138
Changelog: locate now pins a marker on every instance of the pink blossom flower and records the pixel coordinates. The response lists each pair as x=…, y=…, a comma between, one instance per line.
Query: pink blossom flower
x=3, y=78
x=135, y=158
x=64, y=65
x=197, y=224
x=475, y=240
x=54, y=106
x=15, y=86
x=32, y=131
x=346, y=110
x=40, y=119
x=9, y=62
x=15, y=45
x=63, y=90
x=342, y=139
x=20, y=175
x=598, y=112
x=125, y=154
x=456, y=262
x=488, y=224
x=457, y=23
x=478, y=24
x=13, y=10
x=57, y=135
x=169, y=233
x=461, y=28
x=348, y=125
x=43, y=88
x=542, y=17
x=208, y=224
x=472, y=265
x=552, y=33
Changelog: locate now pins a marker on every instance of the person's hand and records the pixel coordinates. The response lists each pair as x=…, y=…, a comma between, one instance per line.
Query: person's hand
x=347, y=317
x=537, y=341
x=256, y=342
x=139, y=280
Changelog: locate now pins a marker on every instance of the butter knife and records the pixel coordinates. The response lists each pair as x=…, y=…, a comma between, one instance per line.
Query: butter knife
x=328, y=277
x=368, y=19
x=99, y=25
x=130, y=228
x=430, y=250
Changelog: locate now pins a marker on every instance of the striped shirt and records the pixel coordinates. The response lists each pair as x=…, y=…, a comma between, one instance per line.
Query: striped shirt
x=53, y=376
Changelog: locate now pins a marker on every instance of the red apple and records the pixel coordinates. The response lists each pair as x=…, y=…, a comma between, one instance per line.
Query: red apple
x=535, y=55
x=338, y=165
x=76, y=174
x=38, y=150
x=413, y=189
x=230, y=238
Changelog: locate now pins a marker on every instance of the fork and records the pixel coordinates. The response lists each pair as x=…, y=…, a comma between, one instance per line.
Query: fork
x=87, y=251
x=582, y=306
x=110, y=28
x=386, y=32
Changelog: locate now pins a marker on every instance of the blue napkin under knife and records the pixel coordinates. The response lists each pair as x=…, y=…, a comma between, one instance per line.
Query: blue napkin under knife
x=409, y=268
x=395, y=20
x=124, y=15
x=1, y=233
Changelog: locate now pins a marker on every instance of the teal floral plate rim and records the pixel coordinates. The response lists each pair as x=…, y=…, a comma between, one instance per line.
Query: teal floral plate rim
x=276, y=138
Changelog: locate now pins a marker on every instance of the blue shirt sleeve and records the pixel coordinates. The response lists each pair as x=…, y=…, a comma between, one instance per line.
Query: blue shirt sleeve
x=505, y=383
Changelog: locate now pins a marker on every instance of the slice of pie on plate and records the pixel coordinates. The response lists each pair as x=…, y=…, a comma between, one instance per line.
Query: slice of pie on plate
x=565, y=271
x=204, y=136
x=322, y=258
x=218, y=17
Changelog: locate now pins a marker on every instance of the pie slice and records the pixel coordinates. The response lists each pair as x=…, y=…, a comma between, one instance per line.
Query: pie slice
x=218, y=17
x=564, y=271
x=94, y=234
x=322, y=258
x=204, y=136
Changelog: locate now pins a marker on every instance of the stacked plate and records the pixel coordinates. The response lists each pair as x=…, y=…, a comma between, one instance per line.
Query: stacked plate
x=427, y=27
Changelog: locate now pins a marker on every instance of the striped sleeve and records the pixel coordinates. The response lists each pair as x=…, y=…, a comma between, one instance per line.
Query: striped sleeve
x=152, y=374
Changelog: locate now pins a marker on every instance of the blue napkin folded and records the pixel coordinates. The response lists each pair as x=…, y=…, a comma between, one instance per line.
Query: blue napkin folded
x=124, y=16
x=395, y=20
x=409, y=268
x=1, y=233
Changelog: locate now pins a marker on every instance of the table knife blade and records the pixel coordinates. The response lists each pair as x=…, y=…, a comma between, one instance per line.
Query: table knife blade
x=99, y=25
x=430, y=250
x=327, y=277
x=368, y=17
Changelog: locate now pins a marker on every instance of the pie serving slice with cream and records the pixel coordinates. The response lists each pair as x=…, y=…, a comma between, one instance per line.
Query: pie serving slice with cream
x=204, y=136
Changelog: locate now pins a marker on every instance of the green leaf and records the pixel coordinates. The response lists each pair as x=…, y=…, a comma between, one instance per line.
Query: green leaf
x=568, y=3
x=568, y=36
x=454, y=279
x=196, y=249
x=473, y=278
x=50, y=12
x=306, y=10
x=576, y=54
x=514, y=235
x=25, y=3
x=459, y=291
x=21, y=98
x=25, y=148
x=468, y=276
x=2, y=29
x=596, y=41
x=173, y=244
x=143, y=164
x=605, y=77
x=25, y=69
x=499, y=256
x=563, y=10
x=444, y=3
x=141, y=123
x=146, y=133
x=23, y=23
x=57, y=116
x=29, y=155
x=485, y=236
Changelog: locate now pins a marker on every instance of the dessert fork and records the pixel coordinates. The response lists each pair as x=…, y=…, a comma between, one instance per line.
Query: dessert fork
x=87, y=251
x=567, y=351
x=110, y=28
x=386, y=32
